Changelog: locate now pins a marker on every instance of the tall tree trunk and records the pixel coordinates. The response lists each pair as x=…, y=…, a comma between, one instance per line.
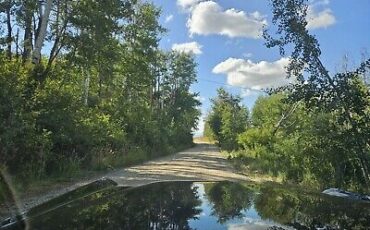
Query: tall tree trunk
x=17, y=44
x=60, y=30
x=364, y=168
x=36, y=55
x=27, y=46
x=86, y=87
x=36, y=28
x=9, y=38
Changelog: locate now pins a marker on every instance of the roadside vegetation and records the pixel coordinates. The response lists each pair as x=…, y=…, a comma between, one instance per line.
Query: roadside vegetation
x=315, y=131
x=100, y=95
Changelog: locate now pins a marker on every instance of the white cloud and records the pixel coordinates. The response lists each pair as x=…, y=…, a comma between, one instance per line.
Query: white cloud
x=200, y=98
x=187, y=4
x=209, y=18
x=190, y=47
x=253, y=224
x=249, y=92
x=255, y=76
x=168, y=18
x=319, y=19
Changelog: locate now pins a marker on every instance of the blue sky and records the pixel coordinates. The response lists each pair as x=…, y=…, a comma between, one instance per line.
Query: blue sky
x=224, y=37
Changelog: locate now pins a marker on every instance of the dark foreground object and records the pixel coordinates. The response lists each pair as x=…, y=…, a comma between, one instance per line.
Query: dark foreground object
x=194, y=205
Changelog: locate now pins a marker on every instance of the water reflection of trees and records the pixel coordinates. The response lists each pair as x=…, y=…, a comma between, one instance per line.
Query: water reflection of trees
x=286, y=206
x=172, y=205
x=307, y=211
x=158, y=206
x=228, y=199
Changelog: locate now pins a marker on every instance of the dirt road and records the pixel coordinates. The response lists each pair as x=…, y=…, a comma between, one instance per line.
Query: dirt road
x=204, y=162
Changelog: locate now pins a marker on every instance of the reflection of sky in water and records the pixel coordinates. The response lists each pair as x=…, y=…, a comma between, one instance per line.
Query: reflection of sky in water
x=250, y=219
x=206, y=220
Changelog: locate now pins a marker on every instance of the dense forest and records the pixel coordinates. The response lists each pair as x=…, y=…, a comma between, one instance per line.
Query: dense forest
x=315, y=130
x=84, y=84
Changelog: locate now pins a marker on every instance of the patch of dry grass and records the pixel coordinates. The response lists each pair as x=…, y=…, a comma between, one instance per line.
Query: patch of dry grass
x=251, y=167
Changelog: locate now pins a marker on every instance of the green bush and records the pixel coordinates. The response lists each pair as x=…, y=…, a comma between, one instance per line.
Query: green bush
x=103, y=102
x=106, y=158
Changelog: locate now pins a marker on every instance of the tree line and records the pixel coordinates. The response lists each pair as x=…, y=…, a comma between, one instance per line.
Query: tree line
x=315, y=130
x=84, y=84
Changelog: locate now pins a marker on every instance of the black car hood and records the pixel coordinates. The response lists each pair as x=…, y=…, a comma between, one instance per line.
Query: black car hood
x=193, y=205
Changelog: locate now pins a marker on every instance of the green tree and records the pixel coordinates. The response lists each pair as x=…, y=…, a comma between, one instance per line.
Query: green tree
x=344, y=94
x=227, y=119
x=105, y=95
x=228, y=199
